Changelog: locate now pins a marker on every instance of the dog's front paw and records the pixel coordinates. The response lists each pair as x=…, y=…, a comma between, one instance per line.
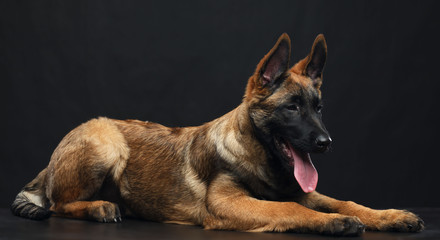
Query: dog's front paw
x=344, y=226
x=397, y=221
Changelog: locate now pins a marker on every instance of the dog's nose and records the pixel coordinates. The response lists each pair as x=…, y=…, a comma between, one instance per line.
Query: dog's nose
x=323, y=141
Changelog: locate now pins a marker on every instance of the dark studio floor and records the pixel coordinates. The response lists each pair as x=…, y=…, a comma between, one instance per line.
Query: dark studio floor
x=12, y=227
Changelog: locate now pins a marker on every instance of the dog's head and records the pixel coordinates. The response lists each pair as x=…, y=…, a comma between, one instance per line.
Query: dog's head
x=285, y=107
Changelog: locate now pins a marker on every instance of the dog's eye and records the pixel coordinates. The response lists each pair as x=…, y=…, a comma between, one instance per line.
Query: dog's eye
x=293, y=107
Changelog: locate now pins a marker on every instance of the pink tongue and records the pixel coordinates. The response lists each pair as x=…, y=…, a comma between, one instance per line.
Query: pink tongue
x=304, y=171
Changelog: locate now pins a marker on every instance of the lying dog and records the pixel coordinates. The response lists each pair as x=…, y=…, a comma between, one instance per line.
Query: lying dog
x=249, y=170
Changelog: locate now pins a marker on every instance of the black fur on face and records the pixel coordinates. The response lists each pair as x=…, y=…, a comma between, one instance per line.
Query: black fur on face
x=285, y=104
x=298, y=121
x=291, y=115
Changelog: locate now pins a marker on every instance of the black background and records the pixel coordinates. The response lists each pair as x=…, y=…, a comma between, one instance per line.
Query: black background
x=185, y=63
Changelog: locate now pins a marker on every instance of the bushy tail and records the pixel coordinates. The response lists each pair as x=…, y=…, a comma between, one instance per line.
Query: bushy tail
x=32, y=202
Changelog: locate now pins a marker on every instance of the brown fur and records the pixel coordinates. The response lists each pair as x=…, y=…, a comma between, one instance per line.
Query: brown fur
x=207, y=175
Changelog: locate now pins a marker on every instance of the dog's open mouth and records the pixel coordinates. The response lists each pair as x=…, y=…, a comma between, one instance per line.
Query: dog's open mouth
x=304, y=171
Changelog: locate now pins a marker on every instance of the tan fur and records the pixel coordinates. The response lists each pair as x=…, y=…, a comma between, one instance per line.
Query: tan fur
x=208, y=175
x=376, y=220
x=109, y=144
x=93, y=210
x=235, y=209
x=97, y=142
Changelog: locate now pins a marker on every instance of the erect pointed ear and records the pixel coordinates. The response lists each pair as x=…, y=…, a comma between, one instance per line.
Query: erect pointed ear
x=275, y=63
x=313, y=65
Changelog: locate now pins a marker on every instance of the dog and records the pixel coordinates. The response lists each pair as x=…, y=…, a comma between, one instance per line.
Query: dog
x=249, y=170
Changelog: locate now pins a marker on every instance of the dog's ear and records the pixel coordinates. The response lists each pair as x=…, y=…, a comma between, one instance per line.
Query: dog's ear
x=276, y=62
x=273, y=66
x=313, y=65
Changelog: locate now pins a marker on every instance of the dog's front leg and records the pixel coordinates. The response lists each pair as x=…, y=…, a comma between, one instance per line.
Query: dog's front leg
x=232, y=208
x=376, y=220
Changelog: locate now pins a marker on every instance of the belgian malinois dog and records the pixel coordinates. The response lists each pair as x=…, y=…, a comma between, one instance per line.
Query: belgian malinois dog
x=249, y=170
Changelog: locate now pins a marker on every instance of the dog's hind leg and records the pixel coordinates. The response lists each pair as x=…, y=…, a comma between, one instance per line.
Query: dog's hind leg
x=101, y=211
x=88, y=156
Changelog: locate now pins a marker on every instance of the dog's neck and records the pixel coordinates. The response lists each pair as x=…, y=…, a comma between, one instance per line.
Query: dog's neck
x=236, y=143
x=232, y=134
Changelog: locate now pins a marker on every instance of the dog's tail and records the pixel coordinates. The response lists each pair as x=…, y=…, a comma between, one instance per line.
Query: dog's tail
x=32, y=202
